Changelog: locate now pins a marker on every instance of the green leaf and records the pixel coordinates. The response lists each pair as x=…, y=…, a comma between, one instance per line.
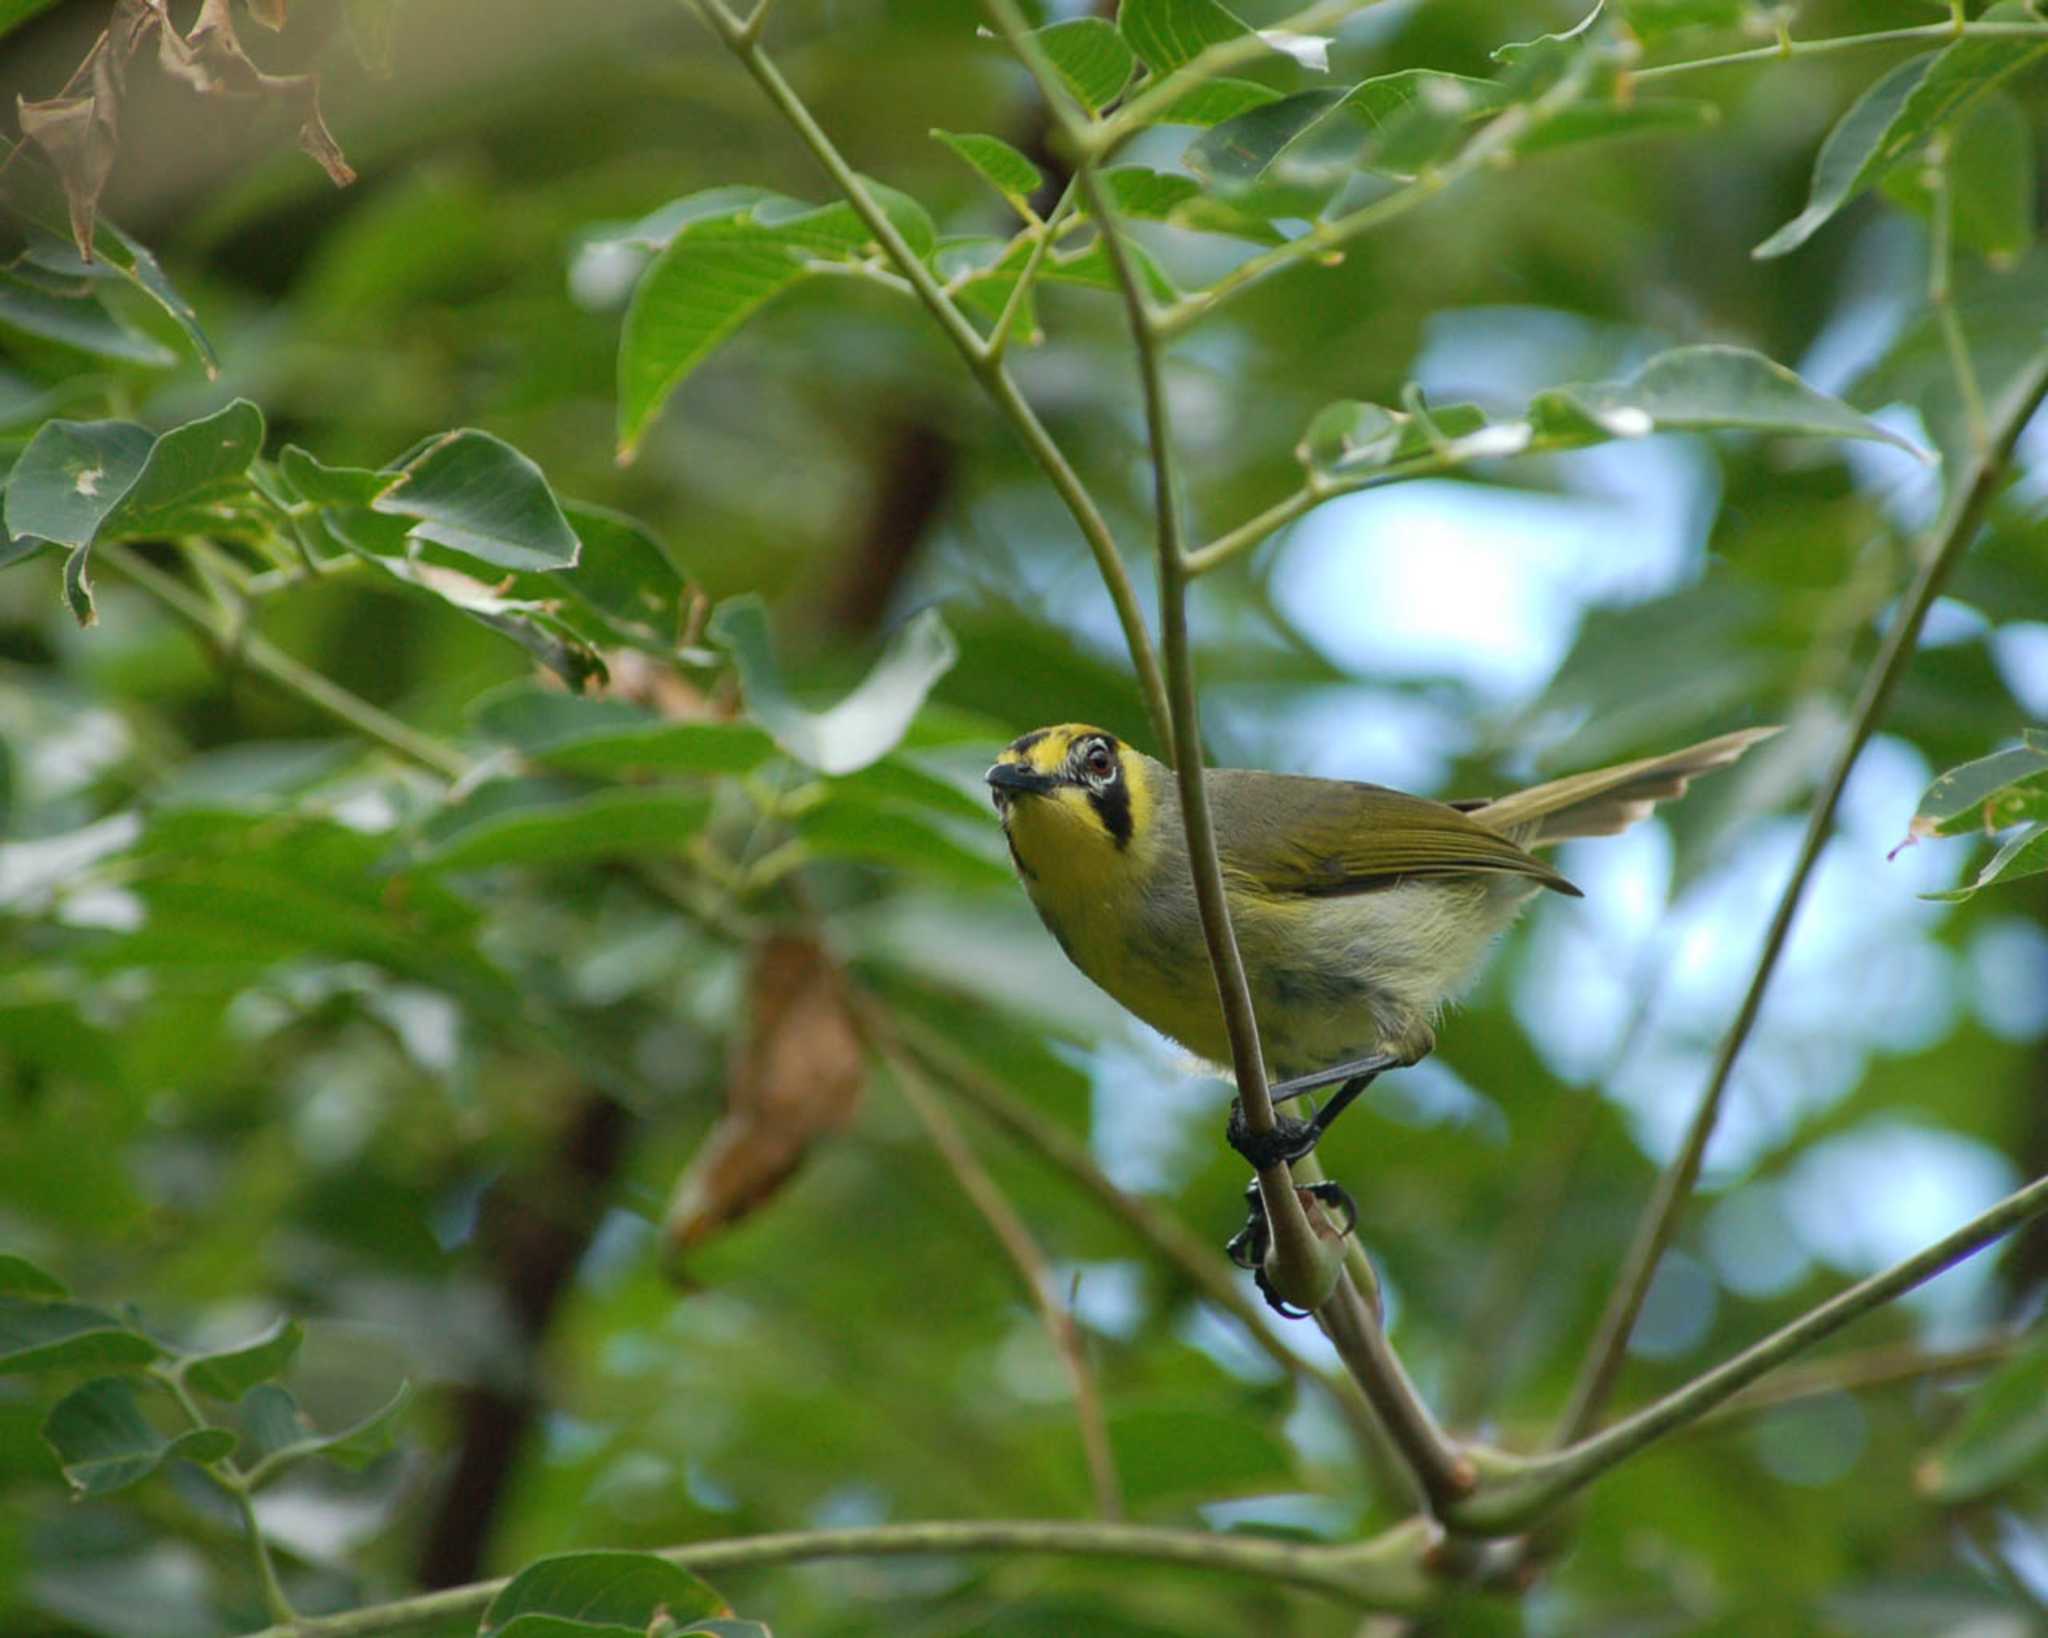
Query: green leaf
x=1990, y=794
x=325, y=485
x=1167, y=196
x=905, y=839
x=1899, y=113
x=1091, y=57
x=2025, y=855
x=31, y=191
x=40, y=1336
x=1650, y=19
x=996, y=162
x=1163, y=34
x=1521, y=54
x=1413, y=116
x=76, y=321
x=555, y=822
x=356, y=1446
x=188, y=467
x=607, y=736
x=1093, y=269
x=1214, y=101
x=477, y=495
x=104, y=1443
x=1990, y=177
x=864, y=725
x=71, y=476
x=718, y=269
x=21, y=1278
x=1707, y=388
x=231, y=1372
x=2001, y=1438
x=1349, y=437
x=604, y=1592
x=1244, y=149
x=1603, y=122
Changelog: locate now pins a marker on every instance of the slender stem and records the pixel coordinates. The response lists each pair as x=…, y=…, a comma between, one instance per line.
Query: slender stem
x=1355, y=1331
x=1168, y=1238
x=1386, y=1573
x=1941, y=295
x=1968, y=501
x=1015, y=1238
x=238, y=1486
x=264, y=658
x=987, y=368
x=1539, y=1485
x=1881, y=1367
x=1849, y=42
x=1044, y=233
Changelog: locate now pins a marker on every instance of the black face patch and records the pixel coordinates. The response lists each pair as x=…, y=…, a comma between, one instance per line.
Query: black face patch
x=1112, y=806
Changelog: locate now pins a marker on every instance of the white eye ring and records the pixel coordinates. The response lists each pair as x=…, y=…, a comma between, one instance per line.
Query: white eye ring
x=1100, y=761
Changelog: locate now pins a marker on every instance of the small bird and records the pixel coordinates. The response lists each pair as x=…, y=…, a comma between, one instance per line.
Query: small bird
x=1359, y=911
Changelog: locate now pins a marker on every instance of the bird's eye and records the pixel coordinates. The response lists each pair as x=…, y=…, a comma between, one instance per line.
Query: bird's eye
x=1100, y=760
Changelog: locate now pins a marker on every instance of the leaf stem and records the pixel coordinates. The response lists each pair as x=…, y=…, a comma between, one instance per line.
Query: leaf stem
x=1538, y=1485
x=1386, y=1573
x=1941, y=32
x=1941, y=294
x=1043, y=235
x=986, y=367
x=238, y=1486
x=264, y=658
x=1968, y=501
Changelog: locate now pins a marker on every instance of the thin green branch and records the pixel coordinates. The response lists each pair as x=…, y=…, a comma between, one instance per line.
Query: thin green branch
x=986, y=367
x=1536, y=1486
x=1941, y=292
x=267, y=660
x=1167, y=1237
x=1043, y=235
x=1387, y=1573
x=1939, y=33
x=1008, y=1226
x=241, y=1488
x=1968, y=501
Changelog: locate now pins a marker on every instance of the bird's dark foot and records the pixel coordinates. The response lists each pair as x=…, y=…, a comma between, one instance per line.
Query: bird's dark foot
x=1248, y=1246
x=1290, y=1139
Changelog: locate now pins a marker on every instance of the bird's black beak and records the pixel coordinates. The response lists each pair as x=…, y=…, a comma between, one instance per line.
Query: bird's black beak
x=1014, y=777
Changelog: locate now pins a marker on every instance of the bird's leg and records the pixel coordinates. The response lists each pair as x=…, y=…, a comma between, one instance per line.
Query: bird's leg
x=1290, y=1138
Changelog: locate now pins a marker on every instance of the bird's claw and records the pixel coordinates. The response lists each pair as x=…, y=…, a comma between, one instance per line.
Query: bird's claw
x=1248, y=1246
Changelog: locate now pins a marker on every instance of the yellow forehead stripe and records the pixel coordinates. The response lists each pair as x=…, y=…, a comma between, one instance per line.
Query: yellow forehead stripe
x=1045, y=751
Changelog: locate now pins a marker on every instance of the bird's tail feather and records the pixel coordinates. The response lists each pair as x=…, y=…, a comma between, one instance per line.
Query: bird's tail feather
x=1609, y=800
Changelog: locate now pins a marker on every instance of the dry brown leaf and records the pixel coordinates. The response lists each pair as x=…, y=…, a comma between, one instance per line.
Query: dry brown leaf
x=77, y=136
x=796, y=1077
x=270, y=13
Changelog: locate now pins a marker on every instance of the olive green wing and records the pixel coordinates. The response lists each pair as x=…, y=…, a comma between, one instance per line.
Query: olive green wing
x=1283, y=834
x=1609, y=800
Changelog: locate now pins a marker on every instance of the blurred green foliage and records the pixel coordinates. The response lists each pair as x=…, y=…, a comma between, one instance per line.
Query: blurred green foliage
x=384, y=1021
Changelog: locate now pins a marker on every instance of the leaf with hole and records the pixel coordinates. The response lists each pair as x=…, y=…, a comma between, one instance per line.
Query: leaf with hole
x=1993, y=793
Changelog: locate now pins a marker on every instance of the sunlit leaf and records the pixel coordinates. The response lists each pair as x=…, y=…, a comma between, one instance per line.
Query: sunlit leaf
x=596, y=1592
x=104, y=1443
x=864, y=725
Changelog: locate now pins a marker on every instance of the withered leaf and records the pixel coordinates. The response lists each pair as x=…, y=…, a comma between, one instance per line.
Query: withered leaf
x=796, y=1077
x=77, y=136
